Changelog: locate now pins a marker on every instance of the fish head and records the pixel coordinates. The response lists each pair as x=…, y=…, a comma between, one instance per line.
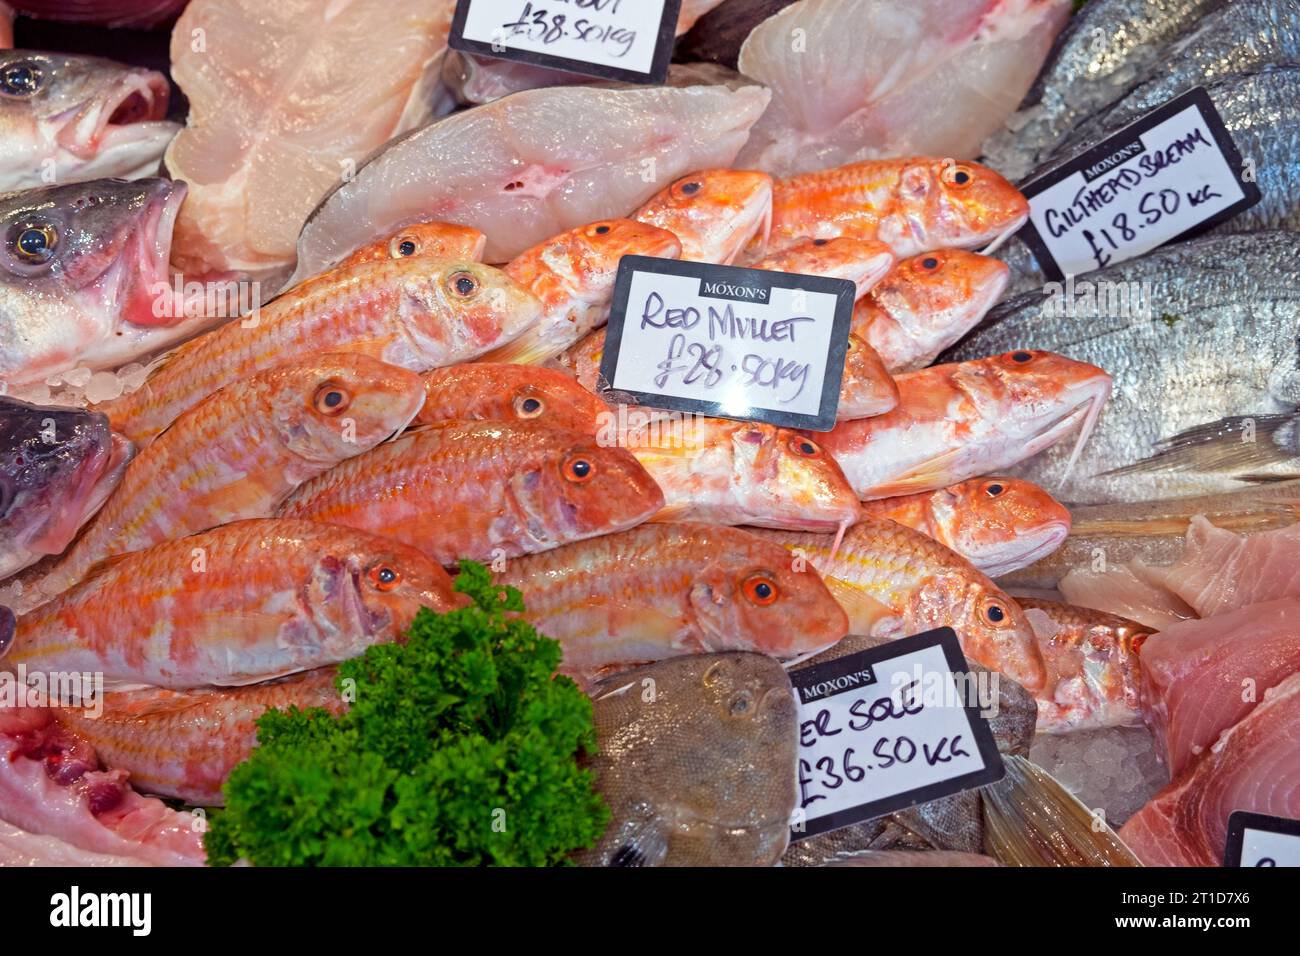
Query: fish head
x=443, y=240
x=1001, y=524
x=594, y=250
x=334, y=406
x=95, y=117
x=960, y=204
x=866, y=384
x=1049, y=394
x=714, y=212
x=57, y=465
x=750, y=597
x=523, y=393
x=864, y=262
x=392, y=582
x=461, y=301
x=944, y=289
x=580, y=489
x=787, y=480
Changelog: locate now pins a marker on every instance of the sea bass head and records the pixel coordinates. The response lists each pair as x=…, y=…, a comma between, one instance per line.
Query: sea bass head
x=77, y=262
x=714, y=212
x=91, y=117
x=459, y=301
x=999, y=524
x=732, y=713
x=334, y=406
x=441, y=240
x=501, y=391
x=57, y=465
x=747, y=595
x=958, y=204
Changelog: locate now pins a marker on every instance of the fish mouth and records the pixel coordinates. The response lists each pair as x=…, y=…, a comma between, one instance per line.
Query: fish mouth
x=1049, y=538
x=132, y=112
x=997, y=238
x=150, y=252
x=95, y=480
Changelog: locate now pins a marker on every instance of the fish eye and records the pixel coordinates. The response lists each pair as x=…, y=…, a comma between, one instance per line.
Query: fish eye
x=600, y=229
x=994, y=613
x=463, y=284
x=993, y=489
x=1022, y=357
x=804, y=447
x=579, y=469
x=331, y=399
x=760, y=589
x=958, y=175
x=688, y=188
x=929, y=263
x=384, y=577
x=403, y=247
x=820, y=242
x=529, y=406
x=35, y=242
x=742, y=703
x=21, y=79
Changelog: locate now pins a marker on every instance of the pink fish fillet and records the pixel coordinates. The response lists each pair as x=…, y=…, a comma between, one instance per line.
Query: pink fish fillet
x=1201, y=677
x=1129, y=590
x=1221, y=570
x=1254, y=765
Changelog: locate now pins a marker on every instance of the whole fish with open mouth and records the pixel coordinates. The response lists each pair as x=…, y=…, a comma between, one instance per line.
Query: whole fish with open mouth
x=666, y=590
x=696, y=759
x=483, y=491
x=926, y=304
x=1205, y=332
x=573, y=275
x=436, y=240
x=57, y=467
x=893, y=581
x=714, y=212
x=84, y=277
x=415, y=313
x=238, y=454
x=236, y=605
x=954, y=422
x=997, y=524
x=912, y=205
x=68, y=118
x=500, y=391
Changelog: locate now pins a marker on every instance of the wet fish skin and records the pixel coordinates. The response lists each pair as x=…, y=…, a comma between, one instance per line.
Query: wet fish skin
x=437, y=240
x=864, y=262
x=1207, y=334
x=67, y=118
x=57, y=466
x=696, y=760
x=713, y=212
x=415, y=313
x=236, y=605
x=998, y=524
x=664, y=590
x=500, y=391
x=483, y=491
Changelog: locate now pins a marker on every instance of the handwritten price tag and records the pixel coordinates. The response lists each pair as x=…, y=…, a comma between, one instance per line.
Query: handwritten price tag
x=1257, y=839
x=629, y=40
x=888, y=728
x=1170, y=175
x=729, y=342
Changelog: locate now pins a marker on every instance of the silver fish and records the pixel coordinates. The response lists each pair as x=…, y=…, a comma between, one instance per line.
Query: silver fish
x=696, y=761
x=1201, y=341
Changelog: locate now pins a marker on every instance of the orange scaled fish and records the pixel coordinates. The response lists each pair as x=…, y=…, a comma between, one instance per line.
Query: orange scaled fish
x=483, y=491
x=912, y=205
x=239, y=604
x=893, y=582
x=437, y=240
x=573, y=275
x=864, y=262
x=715, y=212
x=997, y=524
x=663, y=590
x=926, y=304
x=500, y=391
x=1093, y=671
x=240, y=452
x=415, y=313
x=954, y=422
x=183, y=744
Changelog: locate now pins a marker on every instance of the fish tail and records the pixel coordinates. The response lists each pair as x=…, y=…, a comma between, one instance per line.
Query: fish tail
x=1226, y=445
x=1031, y=820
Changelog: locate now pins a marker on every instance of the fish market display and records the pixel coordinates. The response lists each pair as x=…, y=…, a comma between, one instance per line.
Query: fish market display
x=714, y=212
x=700, y=770
x=664, y=590
x=260, y=156
x=954, y=422
x=542, y=161
x=72, y=118
x=57, y=467
x=242, y=603
x=893, y=581
x=85, y=280
x=436, y=240
x=239, y=454
x=416, y=313
x=498, y=391
x=997, y=524
x=483, y=491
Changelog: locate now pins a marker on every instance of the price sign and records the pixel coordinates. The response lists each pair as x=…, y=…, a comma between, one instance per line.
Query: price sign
x=1257, y=839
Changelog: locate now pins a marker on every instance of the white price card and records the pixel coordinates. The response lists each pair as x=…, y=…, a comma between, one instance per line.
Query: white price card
x=1169, y=175
x=888, y=728
x=1257, y=839
x=748, y=344
x=629, y=40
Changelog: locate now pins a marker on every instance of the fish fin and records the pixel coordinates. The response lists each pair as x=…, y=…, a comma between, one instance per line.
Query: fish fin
x=643, y=844
x=101, y=567
x=1255, y=479
x=863, y=611
x=1031, y=820
x=526, y=350
x=678, y=511
x=1238, y=441
x=932, y=475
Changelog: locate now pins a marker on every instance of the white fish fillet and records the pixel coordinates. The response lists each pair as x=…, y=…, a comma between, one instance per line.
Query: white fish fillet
x=1133, y=591
x=286, y=99
x=20, y=848
x=862, y=79
x=534, y=164
x=1220, y=571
